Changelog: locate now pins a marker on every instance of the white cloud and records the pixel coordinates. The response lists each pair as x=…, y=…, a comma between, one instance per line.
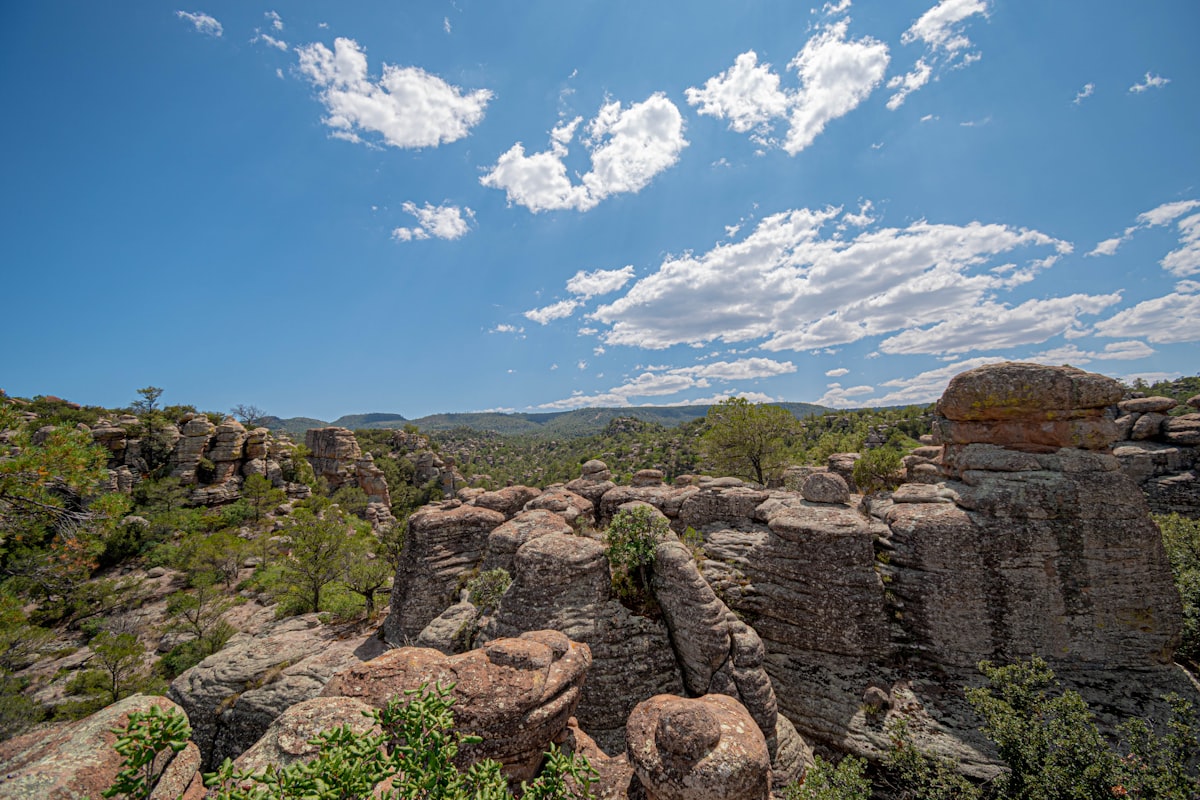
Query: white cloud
x=601, y=281
x=940, y=28
x=908, y=83
x=836, y=8
x=994, y=326
x=276, y=20
x=863, y=218
x=659, y=381
x=1108, y=247
x=927, y=386
x=1149, y=82
x=547, y=314
x=838, y=397
x=835, y=76
x=441, y=222
x=1181, y=262
x=628, y=147
x=202, y=22
x=746, y=94
x=407, y=106
x=837, y=373
x=446, y=25
x=1162, y=320
x=795, y=288
x=1085, y=92
x=269, y=40
x=504, y=327
x=1116, y=351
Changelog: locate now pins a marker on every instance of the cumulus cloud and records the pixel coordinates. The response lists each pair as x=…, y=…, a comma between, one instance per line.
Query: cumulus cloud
x=941, y=31
x=657, y=381
x=837, y=396
x=275, y=20
x=504, y=327
x=747, y=94
x=837, y=373
x=601, y=281
x=995, y=326
x=1162, y=320
x=1084, y=93
x=202, y=22
x=269, y=41
x=628, y=148
x=1149, y=82
x=836, y=75
x=547, y=314
x=440, y=222
x=406, y=107
x=1075, y=356
x=795, y=288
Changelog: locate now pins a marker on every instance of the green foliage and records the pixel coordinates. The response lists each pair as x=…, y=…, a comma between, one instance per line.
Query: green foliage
x=319, y=547
x=18, y=711
x=847, y=780
x=920, y=776
x=120, y=658
x=878, y=470
x=1159, y=766
x=1046, y=737
x=1181, y=539
x=486, y=589
x=352, y=499
x=144, y=744
x=415, y=747
x=197, y=613
x=749, y=440
x=260, y=495
x=630, y=543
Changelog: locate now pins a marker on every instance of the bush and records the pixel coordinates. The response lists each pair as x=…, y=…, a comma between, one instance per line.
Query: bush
x=630, y=544
x=878, y=470
x=486, y=589
x=1181, y=539
x=847, y=780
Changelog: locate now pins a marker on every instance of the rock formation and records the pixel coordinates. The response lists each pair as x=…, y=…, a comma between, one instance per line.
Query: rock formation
x=1161, y=452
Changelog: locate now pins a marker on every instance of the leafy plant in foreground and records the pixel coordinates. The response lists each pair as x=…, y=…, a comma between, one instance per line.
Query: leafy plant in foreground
x=144, y=743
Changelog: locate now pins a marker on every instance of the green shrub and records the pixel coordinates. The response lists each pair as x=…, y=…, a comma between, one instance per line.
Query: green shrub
x=878, y=470
x=630, y=544
x=1181, y=539
x=847, y=780
x=486, y=589
x=147, y=735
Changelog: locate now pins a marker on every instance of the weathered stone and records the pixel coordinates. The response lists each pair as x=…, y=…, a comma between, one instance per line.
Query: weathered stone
x=572, y=507
x=562, y=582
x=825, y=487
x=843, y=464
x=504, y=541
x=1143, y=405
x=77, y=759
x=446, y=633
x=1147, y=426
x=648, y=477
x=334, y=452
x=1026, y=392
x=508, y=501
x=702, y=749
x=441, y=545
x=667, y=499
x=1182, y=430
x=287, y=740
x=233, y=695
x=516, y=693
x=711, y=504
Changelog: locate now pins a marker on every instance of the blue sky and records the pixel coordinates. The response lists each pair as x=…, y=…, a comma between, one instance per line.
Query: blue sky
x=325, y=209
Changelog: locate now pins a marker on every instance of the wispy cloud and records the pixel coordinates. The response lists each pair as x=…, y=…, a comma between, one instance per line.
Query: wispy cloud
x=1180, y=262
x=1084, y=93
x=941, y=30
x=202, y=22
x=585, y=285
x=407, y=106
x=1149, y=82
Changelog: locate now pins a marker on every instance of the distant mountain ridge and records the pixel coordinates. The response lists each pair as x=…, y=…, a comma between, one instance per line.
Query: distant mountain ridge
x=580, y=422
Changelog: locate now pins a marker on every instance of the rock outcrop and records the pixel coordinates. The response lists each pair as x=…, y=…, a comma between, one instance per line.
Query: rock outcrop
x=77, y=759
x=1161, y=452
x=516, y=693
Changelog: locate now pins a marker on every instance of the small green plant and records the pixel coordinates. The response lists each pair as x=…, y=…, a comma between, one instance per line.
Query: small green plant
x=921, y=776
x=878, y=470
x=630, y=542
x=144, y=744
x=486, y=589
x=846, y=780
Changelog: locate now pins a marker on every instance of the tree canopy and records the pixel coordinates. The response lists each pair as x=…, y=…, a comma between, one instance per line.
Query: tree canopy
x=748, y=440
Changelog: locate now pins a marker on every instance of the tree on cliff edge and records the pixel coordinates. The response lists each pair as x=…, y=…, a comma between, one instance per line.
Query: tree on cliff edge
x=748, y=440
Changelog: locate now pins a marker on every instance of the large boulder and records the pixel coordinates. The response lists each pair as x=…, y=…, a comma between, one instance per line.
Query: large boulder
x=504, y=541
x=443, y=543
x=517, y=694
x=77, y=759
x=705, y=748
x=234, y=695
